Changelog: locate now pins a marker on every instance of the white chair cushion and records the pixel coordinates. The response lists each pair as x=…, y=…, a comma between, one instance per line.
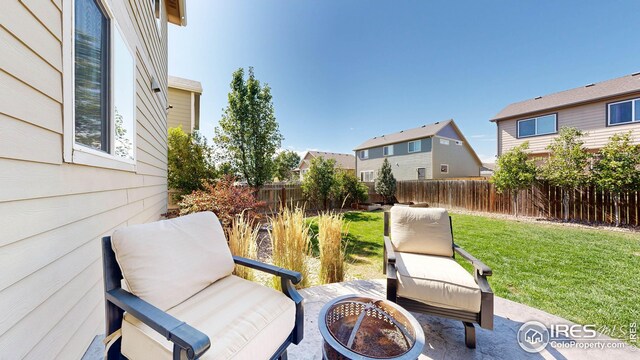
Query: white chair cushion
x=437, y=280
x=168, y=261
x=421, y=231
x=243, y=320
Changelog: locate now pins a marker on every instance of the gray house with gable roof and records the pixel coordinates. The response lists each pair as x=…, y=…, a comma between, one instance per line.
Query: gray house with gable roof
x=433, y=151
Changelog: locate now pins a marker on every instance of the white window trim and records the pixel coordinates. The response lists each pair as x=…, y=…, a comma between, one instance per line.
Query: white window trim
x=418, y=172
x=535, y=126
x=633, y=112
x=389, y=149
x=364, y=154
x=363, y=177
x=444, y=172
x=419, y=148
x=77, y=153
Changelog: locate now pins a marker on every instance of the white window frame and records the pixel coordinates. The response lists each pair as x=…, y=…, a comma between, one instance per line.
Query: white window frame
x=535, y=126
x=633, y=112
x=364, y=154
x=363, y=176
x=78, y=153
x=418, y=172
x=444, y=172
x=444, y=141
x=388, y=149
x=415, y=149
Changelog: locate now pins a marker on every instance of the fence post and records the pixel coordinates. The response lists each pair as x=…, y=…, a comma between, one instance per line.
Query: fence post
x=283, y=197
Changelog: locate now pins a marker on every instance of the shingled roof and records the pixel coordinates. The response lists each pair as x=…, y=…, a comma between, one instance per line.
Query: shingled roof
x=404, y=135
x=592, y=92
x=344, y=161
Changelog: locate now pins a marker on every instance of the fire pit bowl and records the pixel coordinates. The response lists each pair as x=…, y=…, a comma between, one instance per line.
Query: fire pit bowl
x=363, y=328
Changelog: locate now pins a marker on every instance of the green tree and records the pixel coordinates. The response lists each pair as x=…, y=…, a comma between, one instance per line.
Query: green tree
x=320, y=180
x=248, y=132
x=284, y=163
x=514, y=172
x=567, y=165
x=349, y=188
x=190, y=164
x=616, y=168
x=385, y=184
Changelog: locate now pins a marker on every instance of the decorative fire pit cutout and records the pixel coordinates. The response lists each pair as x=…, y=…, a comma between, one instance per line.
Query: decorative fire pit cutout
x=357, y=327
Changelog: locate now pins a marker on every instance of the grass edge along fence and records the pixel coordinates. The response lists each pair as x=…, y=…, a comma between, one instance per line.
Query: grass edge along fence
x=588, y=204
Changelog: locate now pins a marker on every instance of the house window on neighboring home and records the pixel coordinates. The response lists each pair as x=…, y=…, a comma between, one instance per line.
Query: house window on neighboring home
x=366, y=176
x=364, y=154
x=444, y=168
x=444, y=141
x=541, y=125
x=422, y=172
x=623, y=112
x=414, y=146
x=387, y=150
x=103, y=89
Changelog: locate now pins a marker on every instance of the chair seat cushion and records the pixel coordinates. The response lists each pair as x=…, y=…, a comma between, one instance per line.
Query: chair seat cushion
x=243, y=320
x=438, y=281
x=166, y=262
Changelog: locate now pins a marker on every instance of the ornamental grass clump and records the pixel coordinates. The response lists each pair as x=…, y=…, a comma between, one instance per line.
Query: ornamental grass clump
x=290, y=243
x=243, y=237
x=332, y=252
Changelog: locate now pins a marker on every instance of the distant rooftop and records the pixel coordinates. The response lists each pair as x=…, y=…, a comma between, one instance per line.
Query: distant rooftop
x=404, y=135
x=184, y=84
x=345, y=161
x=591, y=92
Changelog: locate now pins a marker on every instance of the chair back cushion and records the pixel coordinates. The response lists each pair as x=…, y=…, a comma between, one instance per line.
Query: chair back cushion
x=166, y=262
x=421, y=231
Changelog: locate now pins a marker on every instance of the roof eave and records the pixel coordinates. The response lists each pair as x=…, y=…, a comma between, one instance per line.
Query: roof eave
x=176, y=12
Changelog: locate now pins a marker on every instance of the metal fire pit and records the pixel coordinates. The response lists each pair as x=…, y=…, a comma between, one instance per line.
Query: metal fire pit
x=363, y=328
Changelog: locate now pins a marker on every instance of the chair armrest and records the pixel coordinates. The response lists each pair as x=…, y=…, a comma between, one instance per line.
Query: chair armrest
x=192, y=341
x=294, y=276
x=388, y=248
x=482, y=269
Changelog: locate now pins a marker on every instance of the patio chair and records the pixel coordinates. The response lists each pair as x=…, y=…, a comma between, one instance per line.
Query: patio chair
x=423, y=275
x=179, y=299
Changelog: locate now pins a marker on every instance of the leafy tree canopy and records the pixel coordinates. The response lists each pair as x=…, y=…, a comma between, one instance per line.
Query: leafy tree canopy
x=284, y=163
x=190, y=165
x=349, y=189
x=248, y=131
x=319, y=181
x=514, y=170
x=568, y=160
x=385, y=184
x=616, y=168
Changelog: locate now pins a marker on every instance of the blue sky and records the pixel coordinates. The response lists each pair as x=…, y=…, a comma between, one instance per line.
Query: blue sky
x=344, y=71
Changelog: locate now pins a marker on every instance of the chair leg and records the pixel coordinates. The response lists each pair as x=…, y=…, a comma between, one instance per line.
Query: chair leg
x=283, y=356
x=469, y=335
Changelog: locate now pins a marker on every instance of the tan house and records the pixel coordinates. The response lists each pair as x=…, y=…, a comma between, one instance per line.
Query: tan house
x=344, y=161
x=600, y=109
x=83, y=151
x=184, y=104
x=433, y=151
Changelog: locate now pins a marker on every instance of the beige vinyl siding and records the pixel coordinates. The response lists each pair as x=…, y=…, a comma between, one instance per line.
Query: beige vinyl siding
x=52, y=213
x=180, y=114
x=403, y=167
x=459, y=158
x=591, y=118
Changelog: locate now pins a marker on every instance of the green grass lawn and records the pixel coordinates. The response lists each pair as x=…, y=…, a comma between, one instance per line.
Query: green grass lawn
x=588, y=276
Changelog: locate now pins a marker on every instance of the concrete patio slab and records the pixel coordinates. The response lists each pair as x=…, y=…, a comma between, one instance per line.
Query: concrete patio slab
x=445, y=338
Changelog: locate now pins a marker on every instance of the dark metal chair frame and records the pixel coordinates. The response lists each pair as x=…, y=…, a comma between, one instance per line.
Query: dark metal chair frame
x=188, y=342
x=484, y=318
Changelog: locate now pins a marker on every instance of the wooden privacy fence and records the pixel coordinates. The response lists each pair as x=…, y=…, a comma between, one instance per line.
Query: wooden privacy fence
x=541, y=200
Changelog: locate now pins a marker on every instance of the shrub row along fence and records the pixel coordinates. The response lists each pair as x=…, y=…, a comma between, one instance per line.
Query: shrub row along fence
x=541, y=200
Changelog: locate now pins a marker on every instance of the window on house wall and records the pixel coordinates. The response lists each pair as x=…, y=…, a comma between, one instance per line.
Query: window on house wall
x=444, y=141
x=444, y=168
x=103, y=86
x=422, y=173
x=541, y=125
x=414, y=146
x=623, y=112
x=364, y=154
x=387, y=150
x=366, y=176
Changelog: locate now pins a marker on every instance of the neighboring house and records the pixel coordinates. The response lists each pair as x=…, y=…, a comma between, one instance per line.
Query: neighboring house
x=83, y=151
x=344, y=161
x=434, y=151
x=600, y=109
x=184, y=104
x=487, y=169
